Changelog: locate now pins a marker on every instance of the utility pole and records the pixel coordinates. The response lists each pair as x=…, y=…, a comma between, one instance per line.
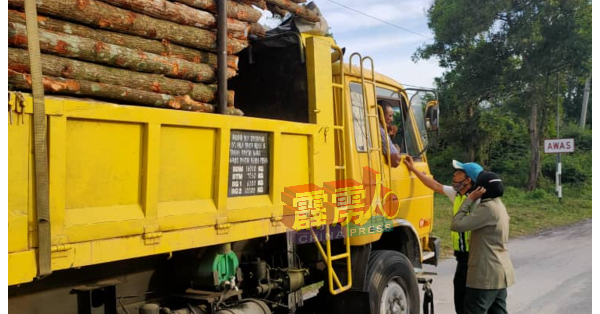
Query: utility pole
x=586, y=96
x=558, y=161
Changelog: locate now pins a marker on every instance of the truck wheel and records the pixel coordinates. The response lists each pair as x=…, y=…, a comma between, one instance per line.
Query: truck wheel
x=392, y=284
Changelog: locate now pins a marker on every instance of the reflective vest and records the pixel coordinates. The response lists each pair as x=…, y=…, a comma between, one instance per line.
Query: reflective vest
x=460, y=240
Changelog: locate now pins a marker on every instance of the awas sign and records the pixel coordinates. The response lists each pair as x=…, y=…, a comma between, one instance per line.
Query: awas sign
x=557, y=146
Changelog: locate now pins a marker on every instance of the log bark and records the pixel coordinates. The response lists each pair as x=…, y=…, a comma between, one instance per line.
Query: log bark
x=98, y=52
x=55, y=85
x=235, y=10
x=164, y=48
x=299, y=10
x=276, y=10
x=258, y=3
x=18, y=60
x=181, y=14
x=105, y=16
x=299, y=1
x=258, y=30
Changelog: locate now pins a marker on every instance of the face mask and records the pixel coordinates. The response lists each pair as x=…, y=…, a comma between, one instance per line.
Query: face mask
x=458, y=186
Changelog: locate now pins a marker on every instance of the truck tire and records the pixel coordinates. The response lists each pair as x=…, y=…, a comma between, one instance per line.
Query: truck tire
x=392, y=284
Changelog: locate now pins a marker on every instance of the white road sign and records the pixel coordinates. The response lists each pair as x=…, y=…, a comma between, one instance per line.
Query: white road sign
x=557, y=146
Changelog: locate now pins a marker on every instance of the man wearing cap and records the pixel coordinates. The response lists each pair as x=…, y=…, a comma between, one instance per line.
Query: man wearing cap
x=463, y=183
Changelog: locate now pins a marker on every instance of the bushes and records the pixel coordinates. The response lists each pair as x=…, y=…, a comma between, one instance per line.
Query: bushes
x=577, y=166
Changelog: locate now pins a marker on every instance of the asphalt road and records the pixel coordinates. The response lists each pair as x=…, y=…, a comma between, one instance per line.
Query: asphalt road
x=553, y=273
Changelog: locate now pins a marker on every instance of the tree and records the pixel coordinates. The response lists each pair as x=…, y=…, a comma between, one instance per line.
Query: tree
x=509, y=54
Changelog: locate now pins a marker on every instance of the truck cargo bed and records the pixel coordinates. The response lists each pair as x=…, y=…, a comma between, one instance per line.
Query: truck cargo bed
x=129, y=181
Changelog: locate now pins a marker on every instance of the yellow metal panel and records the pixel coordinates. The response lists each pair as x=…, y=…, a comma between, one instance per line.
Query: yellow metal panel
x=19, y=154
x=320, y=92
x=249, y=202
x=250, y=207
x=186, y=164
x=275, y=179
x=123, y=227
x=186, y=214
x=320, y=100
x=103, y=164
x=22, y=267
x=152, y=143
x=85, y=216
x=222, y=171
x=294, y=167
x=57, y=130
x=415, y=209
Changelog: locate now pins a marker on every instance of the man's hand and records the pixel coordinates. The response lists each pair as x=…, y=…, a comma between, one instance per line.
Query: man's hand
x=410, y=164
x=392, y=130
x=475, y=195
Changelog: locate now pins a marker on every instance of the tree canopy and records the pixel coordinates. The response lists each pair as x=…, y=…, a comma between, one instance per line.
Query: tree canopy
x=508, y=63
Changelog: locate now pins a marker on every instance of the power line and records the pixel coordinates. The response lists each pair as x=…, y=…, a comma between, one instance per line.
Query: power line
x=380, y=20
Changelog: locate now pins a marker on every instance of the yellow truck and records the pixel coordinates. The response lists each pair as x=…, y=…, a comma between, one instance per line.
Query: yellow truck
x=163, y=211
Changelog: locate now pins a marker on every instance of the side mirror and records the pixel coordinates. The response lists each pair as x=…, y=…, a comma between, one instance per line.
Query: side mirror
x=432, y=116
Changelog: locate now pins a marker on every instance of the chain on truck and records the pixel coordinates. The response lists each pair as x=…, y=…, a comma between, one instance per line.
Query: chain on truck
x=161, y=211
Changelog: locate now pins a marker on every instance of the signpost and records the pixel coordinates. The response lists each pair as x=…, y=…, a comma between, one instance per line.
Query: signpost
x=558, y=146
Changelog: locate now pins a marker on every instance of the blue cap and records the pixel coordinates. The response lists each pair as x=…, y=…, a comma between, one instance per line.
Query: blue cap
x=472, y=169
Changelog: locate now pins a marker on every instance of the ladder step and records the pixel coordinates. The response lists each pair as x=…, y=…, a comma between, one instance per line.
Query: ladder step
x=340, y=256
x=337, y=85
x=340, y=167
x=338, y=127
x=374, y=150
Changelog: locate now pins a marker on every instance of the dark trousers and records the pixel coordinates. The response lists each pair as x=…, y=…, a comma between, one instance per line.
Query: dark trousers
x=478, y=301
x=460, y=281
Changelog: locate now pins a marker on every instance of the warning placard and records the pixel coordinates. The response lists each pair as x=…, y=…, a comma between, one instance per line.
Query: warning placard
x=558, y=146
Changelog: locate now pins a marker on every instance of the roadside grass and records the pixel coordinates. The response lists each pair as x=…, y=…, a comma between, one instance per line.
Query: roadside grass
x=530, y=212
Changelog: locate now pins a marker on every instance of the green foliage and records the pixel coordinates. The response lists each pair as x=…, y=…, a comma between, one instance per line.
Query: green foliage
x=576, y=168
x=508, y=63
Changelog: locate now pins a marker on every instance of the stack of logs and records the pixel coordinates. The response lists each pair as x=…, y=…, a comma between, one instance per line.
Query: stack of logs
x=158, y=53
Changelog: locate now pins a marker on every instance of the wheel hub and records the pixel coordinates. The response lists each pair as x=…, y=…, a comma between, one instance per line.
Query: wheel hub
x=393, y=299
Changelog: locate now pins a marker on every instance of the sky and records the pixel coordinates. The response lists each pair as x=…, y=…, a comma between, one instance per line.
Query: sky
x=390, y=46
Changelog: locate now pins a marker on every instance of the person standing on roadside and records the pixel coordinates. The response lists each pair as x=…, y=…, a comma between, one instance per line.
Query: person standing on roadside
x=463, y=183
x=490, y=270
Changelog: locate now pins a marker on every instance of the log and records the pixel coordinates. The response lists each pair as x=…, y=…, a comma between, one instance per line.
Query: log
x=276, y=10
x=164, y=48
x=55, y=85
x=235, y=10
x=258, y=3
x=98, y=52
x=105, y=16
x=18, y=60
x=299, y=10
x=299, y=1
x=258, y=30
x=181, y=14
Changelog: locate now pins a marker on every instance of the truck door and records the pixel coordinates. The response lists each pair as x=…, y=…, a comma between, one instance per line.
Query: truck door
x=415, y=199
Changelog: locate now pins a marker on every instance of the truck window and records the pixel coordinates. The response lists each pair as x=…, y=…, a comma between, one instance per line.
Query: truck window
x=417, y=104
x=410, y=136
x=405, y=130
x=361, y=132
